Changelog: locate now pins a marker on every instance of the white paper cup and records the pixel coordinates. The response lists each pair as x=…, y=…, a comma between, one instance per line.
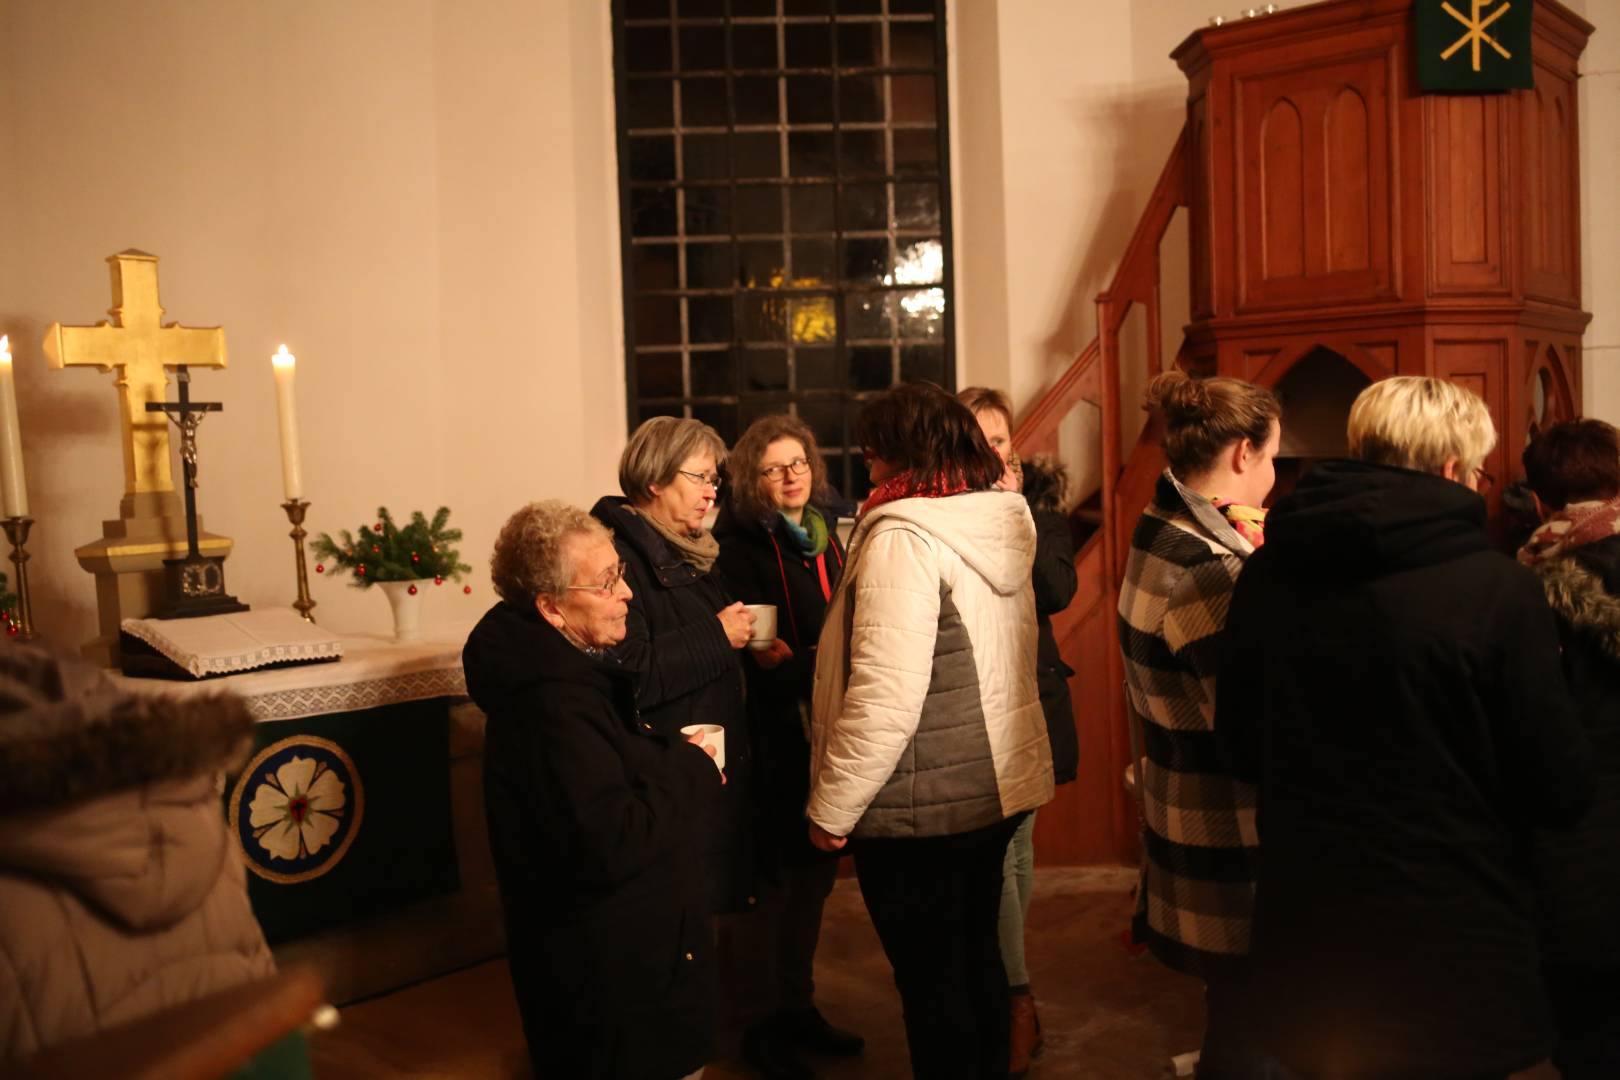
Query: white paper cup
x=764, y=625
x=710, y=735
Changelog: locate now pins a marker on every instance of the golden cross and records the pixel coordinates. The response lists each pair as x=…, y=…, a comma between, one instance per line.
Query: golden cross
x=1476, y=30
x=141, y=348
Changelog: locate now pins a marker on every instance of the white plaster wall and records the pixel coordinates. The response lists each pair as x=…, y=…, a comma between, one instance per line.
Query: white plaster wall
x=1600, y=207
x=416, y=196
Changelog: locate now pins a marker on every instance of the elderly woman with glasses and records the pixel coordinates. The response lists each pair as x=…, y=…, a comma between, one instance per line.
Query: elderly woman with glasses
x=779, y=545
x=591, y=813
x=684, y=627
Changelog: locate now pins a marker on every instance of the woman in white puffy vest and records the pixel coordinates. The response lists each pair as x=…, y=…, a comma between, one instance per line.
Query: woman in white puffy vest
x=928, y=743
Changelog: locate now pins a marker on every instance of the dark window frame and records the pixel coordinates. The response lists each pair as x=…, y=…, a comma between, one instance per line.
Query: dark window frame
x=832, y=366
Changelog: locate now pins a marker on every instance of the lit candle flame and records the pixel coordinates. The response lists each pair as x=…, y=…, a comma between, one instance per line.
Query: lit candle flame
x=283, y=358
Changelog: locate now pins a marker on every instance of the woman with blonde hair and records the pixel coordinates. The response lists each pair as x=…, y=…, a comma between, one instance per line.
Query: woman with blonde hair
x=1392, y=686
x=1220, y=438
x=779, y=546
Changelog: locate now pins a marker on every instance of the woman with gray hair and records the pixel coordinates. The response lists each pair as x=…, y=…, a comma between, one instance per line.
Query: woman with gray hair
x=684, y=627
x=590, y=815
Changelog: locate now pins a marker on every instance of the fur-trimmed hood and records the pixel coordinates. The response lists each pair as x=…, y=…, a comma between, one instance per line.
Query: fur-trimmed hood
x=1046, y=482
x=109, y=795
x=1580, y=598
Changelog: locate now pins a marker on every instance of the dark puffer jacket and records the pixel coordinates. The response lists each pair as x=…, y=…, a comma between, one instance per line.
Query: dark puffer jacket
x=1393, y=687
x=1577, y=871
x=762, y=565
x=590, y=818
x=1055, y=584
x=688, y=673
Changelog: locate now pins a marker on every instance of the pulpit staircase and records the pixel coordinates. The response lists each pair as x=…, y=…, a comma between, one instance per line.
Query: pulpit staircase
x=1070, y=830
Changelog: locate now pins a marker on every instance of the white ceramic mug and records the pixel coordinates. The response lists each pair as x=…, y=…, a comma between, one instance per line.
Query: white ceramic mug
x=710, y=735
x=764, y=625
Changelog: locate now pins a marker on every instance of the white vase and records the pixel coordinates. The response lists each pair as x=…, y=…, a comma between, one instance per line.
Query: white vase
x=405, y=597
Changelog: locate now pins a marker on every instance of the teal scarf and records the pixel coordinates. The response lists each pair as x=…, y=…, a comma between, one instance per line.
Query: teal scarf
x=811, y=537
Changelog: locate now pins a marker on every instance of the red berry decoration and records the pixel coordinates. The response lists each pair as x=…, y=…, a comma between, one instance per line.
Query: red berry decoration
x=411, y=590
x=378, y=527
x=361, y=570
x=11, y=629
x=415, y=558
x=467, y=589
x=437, y=580
x=319, y=569
x=375, y=549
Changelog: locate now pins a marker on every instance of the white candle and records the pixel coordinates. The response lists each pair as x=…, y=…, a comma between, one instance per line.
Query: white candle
x=13, y=493
x=292, y=480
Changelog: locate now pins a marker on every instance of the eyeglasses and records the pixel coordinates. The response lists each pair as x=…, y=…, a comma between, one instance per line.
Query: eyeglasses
x=1483, y=481
x=702, y=479
x=610, y=581
x=778, y=474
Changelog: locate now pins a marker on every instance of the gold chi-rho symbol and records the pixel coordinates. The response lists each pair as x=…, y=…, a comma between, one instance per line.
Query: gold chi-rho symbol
x=1476, y=29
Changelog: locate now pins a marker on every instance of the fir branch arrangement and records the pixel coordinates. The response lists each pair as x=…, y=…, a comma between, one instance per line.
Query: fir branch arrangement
x=386, y=552
x=8, y=609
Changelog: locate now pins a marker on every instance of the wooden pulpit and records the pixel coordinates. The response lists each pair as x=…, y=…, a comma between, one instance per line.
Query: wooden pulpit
x=1337, y=211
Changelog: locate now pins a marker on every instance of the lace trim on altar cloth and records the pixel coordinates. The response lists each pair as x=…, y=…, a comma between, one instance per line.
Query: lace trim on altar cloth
x=225, y=644
x=353, y=697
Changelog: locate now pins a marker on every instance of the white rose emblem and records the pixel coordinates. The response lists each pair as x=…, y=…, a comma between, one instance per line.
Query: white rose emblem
x=296, y=811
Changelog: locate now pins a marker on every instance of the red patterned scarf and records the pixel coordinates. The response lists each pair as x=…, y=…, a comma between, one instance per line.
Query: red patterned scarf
x=1576, y=525
x=913, y=485
x=1248, y=521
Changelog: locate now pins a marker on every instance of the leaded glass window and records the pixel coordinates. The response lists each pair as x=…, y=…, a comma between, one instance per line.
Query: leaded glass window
x=785, y=200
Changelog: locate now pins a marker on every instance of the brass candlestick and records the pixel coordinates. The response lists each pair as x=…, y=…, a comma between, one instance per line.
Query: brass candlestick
x=295, y=514
x=17, y=532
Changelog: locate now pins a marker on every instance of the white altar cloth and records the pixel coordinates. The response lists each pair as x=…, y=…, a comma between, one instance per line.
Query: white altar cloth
x=374, y=672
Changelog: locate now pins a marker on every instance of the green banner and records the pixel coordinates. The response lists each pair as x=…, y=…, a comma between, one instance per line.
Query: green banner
x=1473, y=46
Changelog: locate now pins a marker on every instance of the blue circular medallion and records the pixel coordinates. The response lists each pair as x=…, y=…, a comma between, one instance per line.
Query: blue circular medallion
x=296, y=808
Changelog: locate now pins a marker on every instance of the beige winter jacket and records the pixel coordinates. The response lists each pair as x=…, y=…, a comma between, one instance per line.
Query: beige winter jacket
x=121, y=893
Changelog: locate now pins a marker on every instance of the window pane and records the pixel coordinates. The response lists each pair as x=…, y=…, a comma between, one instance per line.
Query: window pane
x=658, y=375
x=812, y=208
x=701, y=9
x=810, y=99
x=708, y=266
x=646, y=9
x=815, y=369
x=652, y=157
x=916, y=151
x=709, y=319
x=713, y=374
x=746, y=8
x=652, y=212
x=911, y=44
x=804, y=7
x=708, y=211
x=865, y=207
x=758, y=155
x=920, y=262
x=764, y=369
x=761, y=318
x=812, y=262
x=649, y=103
x=860, y=98
x=703, y=48
x=812, y=320
x=647, y=412
x=759, y=209
x=760, y=264
x=920, y=313
x=866, y=315
x=809, y=45
x=810, y=153
x=864, y=153
x=703, y=102
x=754, y=47
x=658, y=320
x=756, y=99
x=912, y=7
x=922, y=362
x=860, y=44
x=858, y=7
x=916, y=206
x=866, y=262
x=723, y=418
x=647, y=48
x=705, y=157
x=653, y=266
x=870, y=368
x=826, y=419
x=912, y=97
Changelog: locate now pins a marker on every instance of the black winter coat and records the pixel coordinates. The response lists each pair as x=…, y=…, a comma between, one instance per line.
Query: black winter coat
x=1578, y=872
x=1393, y=686
x=590, y=818
x=1055, y=581
x=763, y=566
x=688, y=673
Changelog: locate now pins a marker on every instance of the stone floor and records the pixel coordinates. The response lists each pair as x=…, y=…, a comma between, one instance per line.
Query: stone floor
x=1108, y=1015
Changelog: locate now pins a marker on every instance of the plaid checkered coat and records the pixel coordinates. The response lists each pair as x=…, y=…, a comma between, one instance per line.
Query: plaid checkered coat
x=1199, y=839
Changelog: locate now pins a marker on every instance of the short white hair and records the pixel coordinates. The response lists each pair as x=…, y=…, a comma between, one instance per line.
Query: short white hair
x=533, y=555
x=1420, y=423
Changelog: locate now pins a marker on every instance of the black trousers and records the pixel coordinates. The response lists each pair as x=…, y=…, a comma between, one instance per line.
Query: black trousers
x=935, y=903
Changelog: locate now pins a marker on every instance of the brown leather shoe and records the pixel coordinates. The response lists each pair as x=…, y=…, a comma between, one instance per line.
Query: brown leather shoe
x=1025, y=1035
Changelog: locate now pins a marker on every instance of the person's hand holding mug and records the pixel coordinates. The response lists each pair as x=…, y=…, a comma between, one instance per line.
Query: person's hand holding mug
x=738, y=622
x=696, y=739
x=774, y=655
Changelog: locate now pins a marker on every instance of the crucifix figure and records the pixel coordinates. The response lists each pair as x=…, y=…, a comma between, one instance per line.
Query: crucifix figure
x=138, y=344
x=195, y=584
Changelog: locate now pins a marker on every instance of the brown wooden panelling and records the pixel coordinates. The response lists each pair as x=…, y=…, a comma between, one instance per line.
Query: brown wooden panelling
x=1550, y=166
x=1315, y=209
x=1199, y=223
x=1465, y=137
